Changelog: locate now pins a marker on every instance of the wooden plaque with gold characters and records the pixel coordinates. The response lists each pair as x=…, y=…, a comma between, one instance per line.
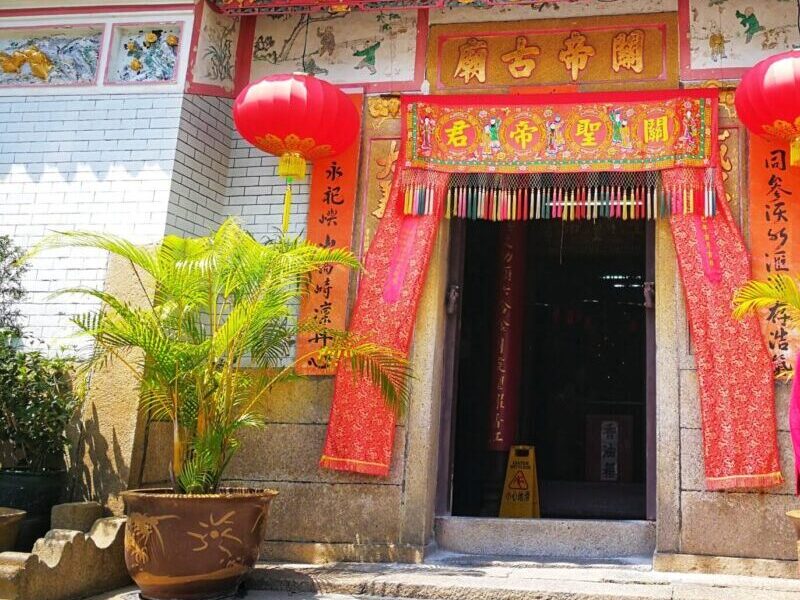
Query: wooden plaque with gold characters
x=595, y=53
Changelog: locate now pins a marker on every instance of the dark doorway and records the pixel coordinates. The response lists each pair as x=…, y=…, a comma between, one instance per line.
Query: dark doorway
x=583, y=401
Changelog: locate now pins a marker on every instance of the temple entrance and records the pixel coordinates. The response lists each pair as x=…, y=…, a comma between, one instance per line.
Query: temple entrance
x=585, y=331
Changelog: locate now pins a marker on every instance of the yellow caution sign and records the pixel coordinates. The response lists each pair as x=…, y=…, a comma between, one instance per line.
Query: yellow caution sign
x=521, y=490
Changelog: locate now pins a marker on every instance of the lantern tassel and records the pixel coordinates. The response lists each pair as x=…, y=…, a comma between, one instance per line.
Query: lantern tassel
x=287, y=206
x=291, y=166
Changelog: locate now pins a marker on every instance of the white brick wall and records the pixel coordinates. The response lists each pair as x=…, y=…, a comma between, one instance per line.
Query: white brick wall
x=137, y=165
x=200, y=179
x=218, y=174
x=95, y=162
x=255, y=192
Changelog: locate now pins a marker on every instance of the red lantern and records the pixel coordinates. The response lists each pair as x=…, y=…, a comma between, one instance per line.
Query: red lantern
x=768, y=100
x=298, y=118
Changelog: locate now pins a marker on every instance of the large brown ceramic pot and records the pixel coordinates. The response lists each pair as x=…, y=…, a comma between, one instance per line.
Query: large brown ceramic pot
x=193, y=547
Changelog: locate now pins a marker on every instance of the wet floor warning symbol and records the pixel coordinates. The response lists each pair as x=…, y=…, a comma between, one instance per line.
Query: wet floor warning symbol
x=521, y=491
x=519, y=482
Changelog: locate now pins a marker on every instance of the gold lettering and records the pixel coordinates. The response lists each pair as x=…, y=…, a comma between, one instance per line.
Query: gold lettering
x=576, y=53
x=627, y=51
x=655, y=130
x=472, y=57
x=587, y=130
x=523, y=133
x=521, y=62
x=455, y=134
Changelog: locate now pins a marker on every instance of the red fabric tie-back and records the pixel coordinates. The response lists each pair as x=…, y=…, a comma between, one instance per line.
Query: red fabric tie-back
x=794, y=423
x=734, y=368
x=361, y=429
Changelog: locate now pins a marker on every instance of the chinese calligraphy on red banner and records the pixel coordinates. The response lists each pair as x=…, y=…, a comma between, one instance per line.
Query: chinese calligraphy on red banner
x=330, y=224
x=774, y=232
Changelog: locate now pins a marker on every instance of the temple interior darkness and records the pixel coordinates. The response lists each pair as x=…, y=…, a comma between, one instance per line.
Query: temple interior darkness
x=583, y=357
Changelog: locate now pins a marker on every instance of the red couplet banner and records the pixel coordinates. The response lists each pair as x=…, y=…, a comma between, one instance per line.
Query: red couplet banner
x=330, y=224
x=774, y=233
x=507, y=347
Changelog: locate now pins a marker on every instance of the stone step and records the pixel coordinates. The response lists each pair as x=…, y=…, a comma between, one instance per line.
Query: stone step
x=514, y=580
x=568, y=538
x=133, y=594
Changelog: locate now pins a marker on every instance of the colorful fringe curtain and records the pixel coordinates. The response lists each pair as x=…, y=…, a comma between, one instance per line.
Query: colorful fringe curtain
x=453, y=157
x=361, y=428
x=625, y=196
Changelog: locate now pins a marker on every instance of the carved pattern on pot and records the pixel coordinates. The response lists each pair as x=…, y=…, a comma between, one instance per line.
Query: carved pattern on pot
x=216, y=536
x=139, y=536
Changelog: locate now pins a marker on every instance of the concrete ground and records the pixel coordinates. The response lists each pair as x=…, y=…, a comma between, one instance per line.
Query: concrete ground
x=458, y=577
x=132, y=594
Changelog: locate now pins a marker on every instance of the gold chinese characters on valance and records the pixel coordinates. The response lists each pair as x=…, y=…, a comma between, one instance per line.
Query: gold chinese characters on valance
x=636, y=155
x=561, y=133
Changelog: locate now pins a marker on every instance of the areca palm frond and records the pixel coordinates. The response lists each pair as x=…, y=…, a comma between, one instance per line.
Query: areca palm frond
x=779, y=290
x=213, y=339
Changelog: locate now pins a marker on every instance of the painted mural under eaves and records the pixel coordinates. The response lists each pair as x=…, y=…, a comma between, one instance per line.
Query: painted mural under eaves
x=274, y=7
x=735, y=34
x=215, y=61
x=57, y=56
x=461, y=12
x=344, y=48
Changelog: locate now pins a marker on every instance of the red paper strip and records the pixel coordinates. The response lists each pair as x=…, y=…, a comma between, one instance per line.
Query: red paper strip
x=508, y=326
x=330, y=224
x=774, y=232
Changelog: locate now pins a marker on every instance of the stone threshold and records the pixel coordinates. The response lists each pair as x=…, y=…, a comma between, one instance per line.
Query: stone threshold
x=569, y=538
x=446, y=576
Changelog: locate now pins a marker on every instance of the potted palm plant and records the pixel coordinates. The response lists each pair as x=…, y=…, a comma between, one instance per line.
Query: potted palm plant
x=779, y=293
x=207, y=352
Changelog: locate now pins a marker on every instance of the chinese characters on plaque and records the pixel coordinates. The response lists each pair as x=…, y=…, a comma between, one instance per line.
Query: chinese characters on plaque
x=774, y=233
x=600, y=51
x=330, y=224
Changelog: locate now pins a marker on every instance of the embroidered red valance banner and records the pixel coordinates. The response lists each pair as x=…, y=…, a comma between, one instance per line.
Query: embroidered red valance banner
x=470, y=142
x=517, y=157
x=559, y=133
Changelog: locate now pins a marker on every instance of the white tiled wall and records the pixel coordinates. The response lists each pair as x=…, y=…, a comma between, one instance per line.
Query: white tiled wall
x=135, y=165
x=255, y=192
x=94, y=162
x=218, y=174
x=200, y=179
